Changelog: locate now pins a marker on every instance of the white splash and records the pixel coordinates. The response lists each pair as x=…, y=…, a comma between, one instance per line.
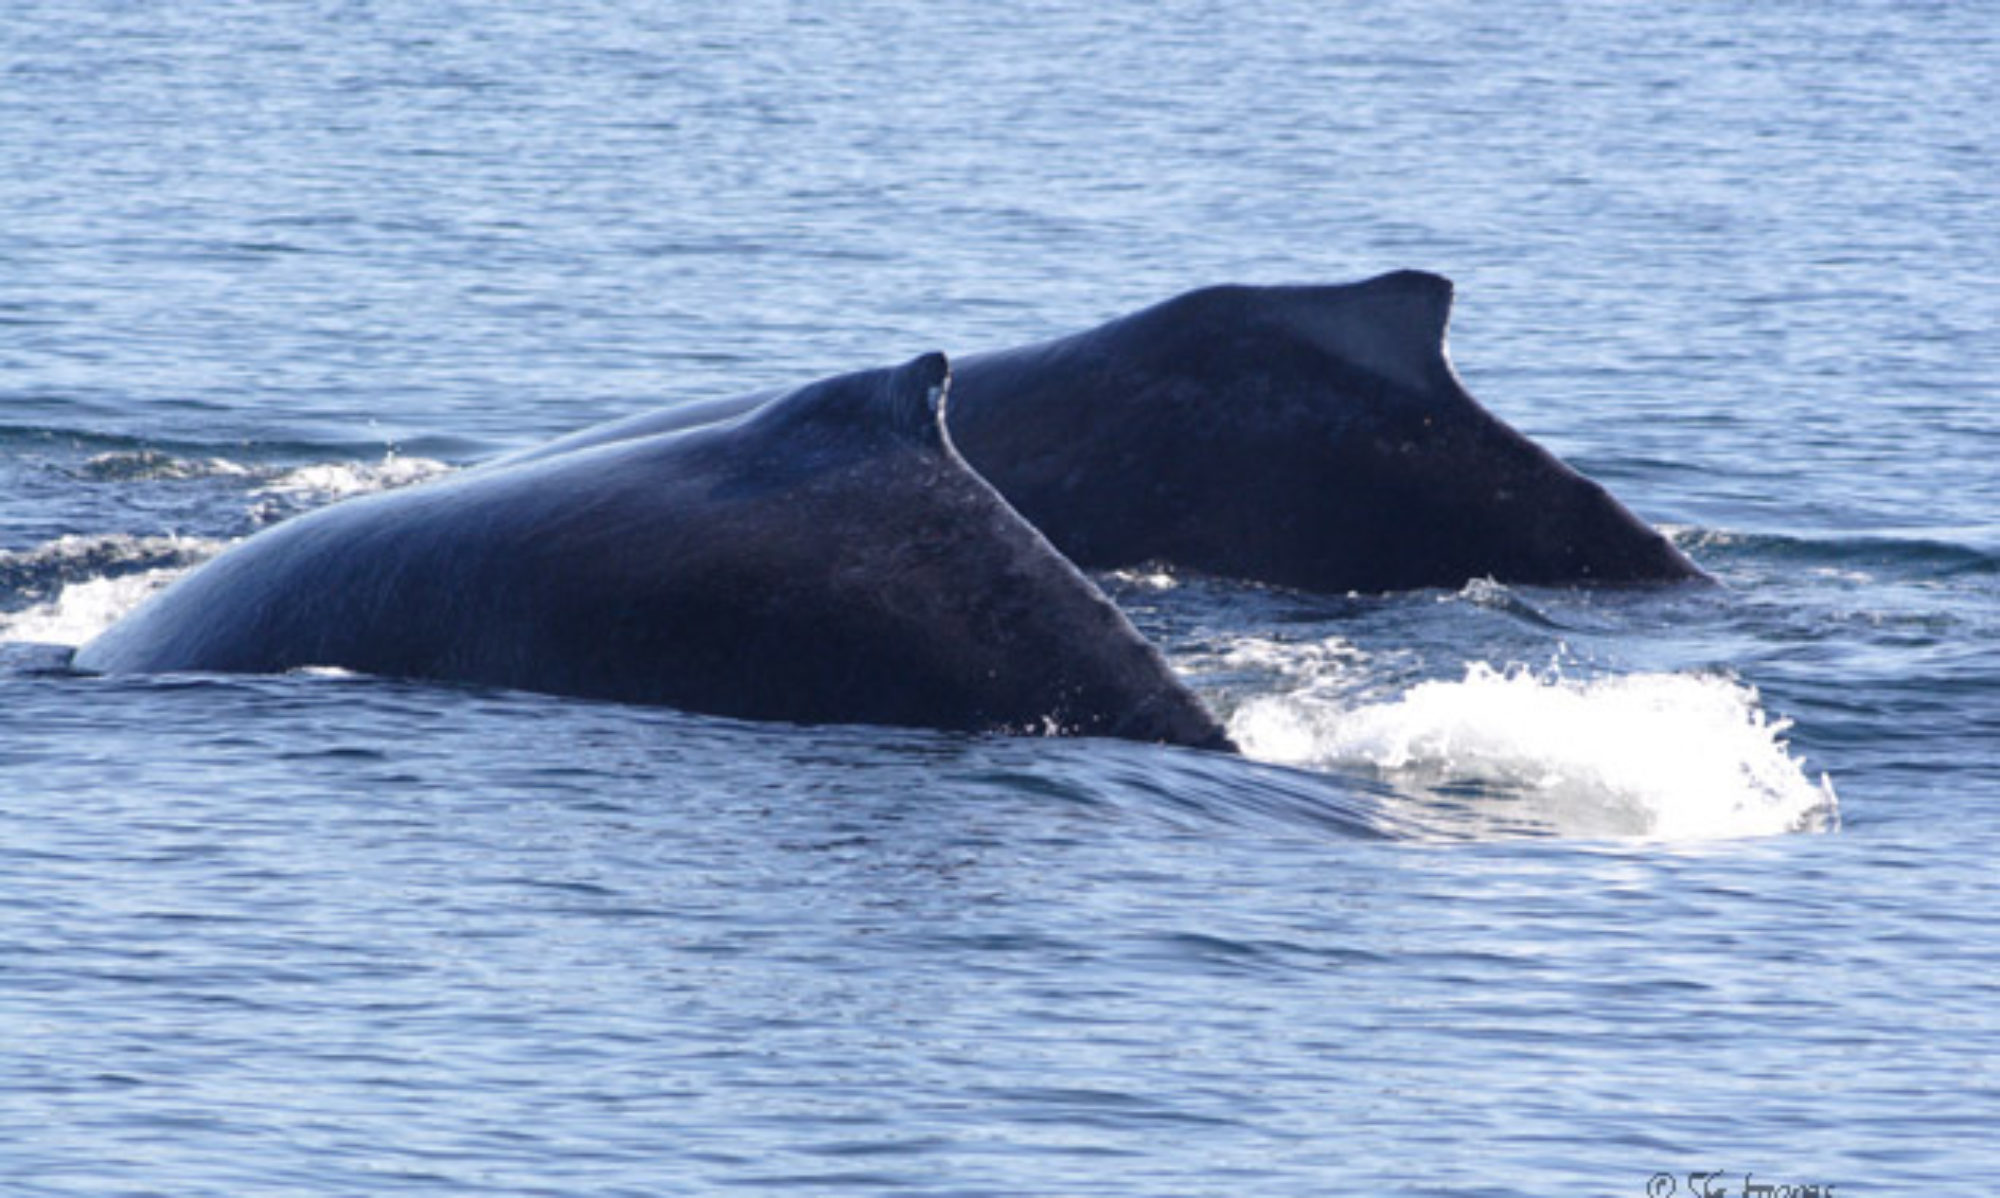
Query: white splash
x=328, y=481
x=1663, y=756
x=91, y=581
x=1304, y=660
x=84, y=609
x=1145, y=580
x=151, y=464
x=320, y=482
x=74, y=553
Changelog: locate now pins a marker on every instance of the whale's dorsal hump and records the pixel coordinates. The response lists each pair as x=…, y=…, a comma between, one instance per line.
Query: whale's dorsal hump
x=905, y=402
x=1392, y=325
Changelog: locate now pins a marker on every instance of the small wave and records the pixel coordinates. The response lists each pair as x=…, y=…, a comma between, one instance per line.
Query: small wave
x=40, y=572
x=146, y=465
x=1151, y=579
x=1930, y=553
x=1660, y=756
x=1321, y=671
x=1499, y=597
x=318, y=482
x=302, y=488
x=337, y=480
x=1303, y=660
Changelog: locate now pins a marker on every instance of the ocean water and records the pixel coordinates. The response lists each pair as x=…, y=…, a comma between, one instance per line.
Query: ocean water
x=1515, y=892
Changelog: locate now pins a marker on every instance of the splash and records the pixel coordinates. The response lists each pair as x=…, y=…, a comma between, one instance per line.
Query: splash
x=319, y=481
x=84, y=609
x=37, y=572
x=147, y=465
x=1662, y=756
x=1144, y=580
x=328, y=481
x=66, y=591
x=303, y=488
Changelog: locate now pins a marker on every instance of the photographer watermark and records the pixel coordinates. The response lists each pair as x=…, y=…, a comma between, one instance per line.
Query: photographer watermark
x=1720, y=1183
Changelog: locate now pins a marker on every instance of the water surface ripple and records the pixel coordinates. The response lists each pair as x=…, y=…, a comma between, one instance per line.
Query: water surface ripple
x=1522, y=891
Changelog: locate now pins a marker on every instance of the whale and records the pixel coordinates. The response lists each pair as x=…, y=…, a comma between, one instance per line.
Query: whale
x=826, y=558
x=1311, y=437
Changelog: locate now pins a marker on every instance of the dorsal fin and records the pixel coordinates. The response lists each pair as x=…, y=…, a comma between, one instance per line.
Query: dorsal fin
x=905, y=401
x=1392, y=325
x=914, y=397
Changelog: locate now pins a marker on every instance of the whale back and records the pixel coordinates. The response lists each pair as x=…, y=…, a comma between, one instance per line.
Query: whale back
x=1313, y=437
x=1308, y=436
x=828, y=559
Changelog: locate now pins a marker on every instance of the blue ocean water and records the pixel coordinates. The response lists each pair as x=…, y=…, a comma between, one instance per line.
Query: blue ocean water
x=1517, y=891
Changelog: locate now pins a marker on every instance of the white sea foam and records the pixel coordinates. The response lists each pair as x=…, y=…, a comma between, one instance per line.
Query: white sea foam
x=1666, y=756
x=90, y=581
x=320, y=482
x=328, y=481
x=74, y=555
x=1307, y=663
x=149, y=464
x=84, y=609
x=1148, y=580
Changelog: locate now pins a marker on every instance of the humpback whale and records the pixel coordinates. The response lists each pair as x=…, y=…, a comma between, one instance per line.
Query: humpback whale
x=827, y=559
x=1313, y=437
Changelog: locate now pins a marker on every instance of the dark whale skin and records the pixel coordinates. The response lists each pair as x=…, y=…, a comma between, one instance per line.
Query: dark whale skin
x=829, y=559
x=1308, y=437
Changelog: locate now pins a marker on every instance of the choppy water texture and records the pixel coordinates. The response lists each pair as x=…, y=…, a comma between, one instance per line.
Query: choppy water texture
x=1519, y=892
